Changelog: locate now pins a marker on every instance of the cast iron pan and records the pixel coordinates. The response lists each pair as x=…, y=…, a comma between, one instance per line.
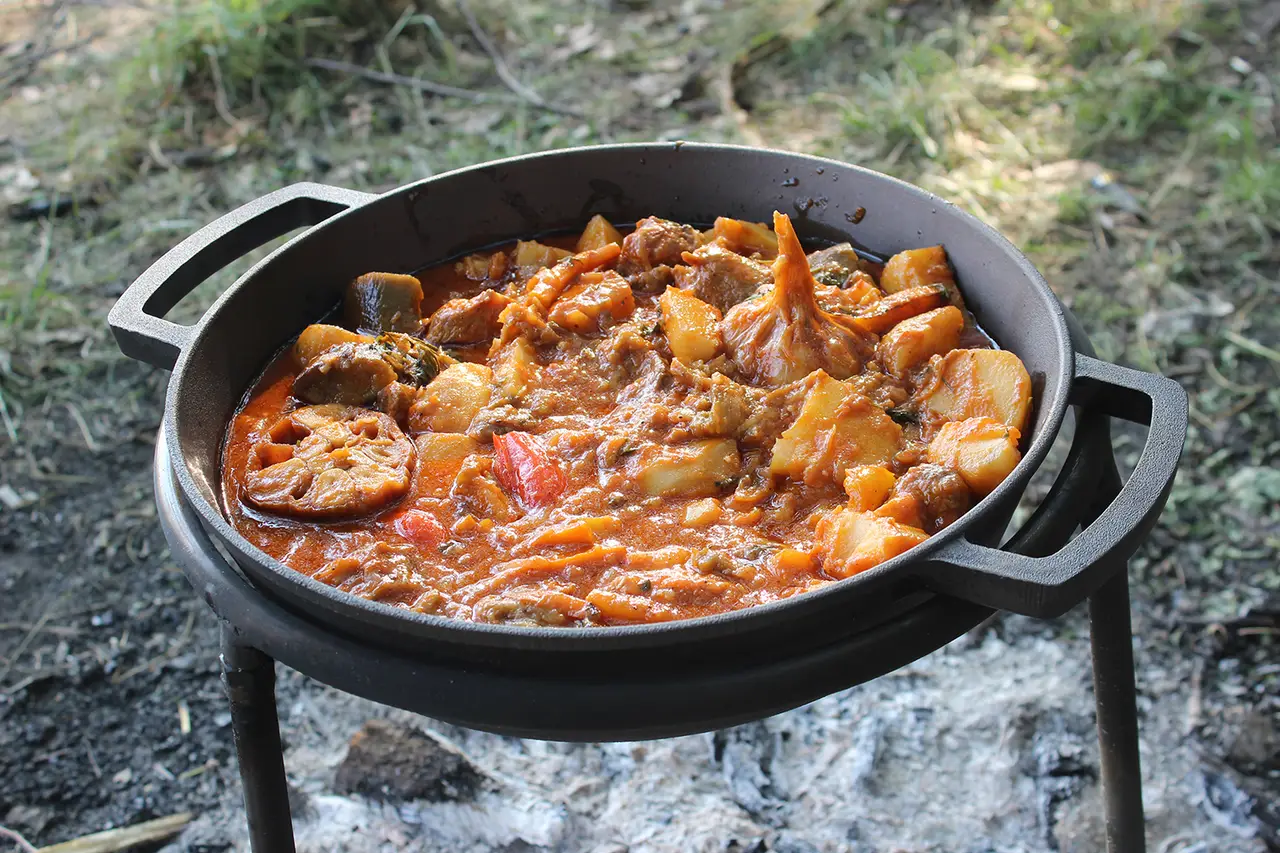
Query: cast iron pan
x=215, y=361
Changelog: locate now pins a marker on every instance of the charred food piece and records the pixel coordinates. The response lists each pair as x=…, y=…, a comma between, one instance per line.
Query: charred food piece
x=347, y=374
x=323, y=462
x=468, y=321
x=650, y=251
x=380, y=302
x=415, y=361
x=835, y=265
x=353, y=374
x=785, y=335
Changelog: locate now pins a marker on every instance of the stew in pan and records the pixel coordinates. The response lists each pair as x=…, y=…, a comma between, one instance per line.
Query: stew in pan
x=614, y=430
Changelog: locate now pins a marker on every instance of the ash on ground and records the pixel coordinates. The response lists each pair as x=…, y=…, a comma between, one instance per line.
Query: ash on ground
x=987, y=746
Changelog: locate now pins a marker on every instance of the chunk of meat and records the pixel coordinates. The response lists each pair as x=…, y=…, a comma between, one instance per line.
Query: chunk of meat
x=785, y=335
x=452, y=400
x=348, y=374
x=330, y=461
x=774, y=412
x=649, y=252
x=692, y=326
x=476, y=491
x=595, y=302
x=745, y=238
x=883, y=314
x=397, y=399
x=837, y=428
x=380, y=302
x=721, y=277
x=526, y=469
x=972, y=383
x=927, y=496
x=468, y=321
x=386, y=570
x=851, y=541
x=318, y=338
x=487, y=268
x=709, y=405
x=835, y=265
x=910, y=344
x=982, y=450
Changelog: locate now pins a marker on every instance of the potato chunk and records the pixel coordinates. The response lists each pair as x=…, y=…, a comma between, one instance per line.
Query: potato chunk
x=691, y=325
x=867, y=485
x=531, y=256
x=599, y=232
x=515, y=368
x=974, y=383
x=916, y=267
x=851, y=541
x=914, y=341
x=837, y=428
x=745, y=238
x=598, y=300
x=694, y=470
x=317, y=338
x=440, y=458
x=982, y=451
x=452, y=399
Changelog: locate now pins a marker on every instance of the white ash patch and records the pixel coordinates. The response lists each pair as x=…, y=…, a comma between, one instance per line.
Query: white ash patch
x=984, y=747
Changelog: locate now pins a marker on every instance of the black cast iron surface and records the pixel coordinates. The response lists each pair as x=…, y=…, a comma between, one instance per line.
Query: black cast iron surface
x=216, y=360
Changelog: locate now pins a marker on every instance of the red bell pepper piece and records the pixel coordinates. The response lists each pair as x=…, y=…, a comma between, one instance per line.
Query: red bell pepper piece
x=525, y=468
x=420, y=527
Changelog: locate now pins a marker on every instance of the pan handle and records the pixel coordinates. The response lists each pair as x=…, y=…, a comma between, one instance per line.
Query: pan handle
x=137, y=318
x=1047, y=586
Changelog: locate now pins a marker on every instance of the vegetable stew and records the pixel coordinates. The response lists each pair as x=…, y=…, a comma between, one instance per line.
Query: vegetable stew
x=621, y=429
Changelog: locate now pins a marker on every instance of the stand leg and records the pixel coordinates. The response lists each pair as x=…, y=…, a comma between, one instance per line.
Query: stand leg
x=1116, y=694
x=250, y=680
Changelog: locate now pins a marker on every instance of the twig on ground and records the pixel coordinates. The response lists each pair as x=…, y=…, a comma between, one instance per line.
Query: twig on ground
x=89, y=441
x=1251, y=346
x=23, y=844
x=26, y=641
x=115, y=840
x=1195, y=702
x=499, y=64
x=401, y=80
x=504, y=72
x=9, y=428
x=93, y=759
x=56, y=630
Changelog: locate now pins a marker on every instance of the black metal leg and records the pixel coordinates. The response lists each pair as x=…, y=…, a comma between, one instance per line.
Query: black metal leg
x=250, y=680
x=1116, y=695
